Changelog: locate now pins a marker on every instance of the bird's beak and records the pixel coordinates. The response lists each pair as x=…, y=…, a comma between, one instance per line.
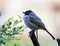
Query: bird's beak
x=23, y=12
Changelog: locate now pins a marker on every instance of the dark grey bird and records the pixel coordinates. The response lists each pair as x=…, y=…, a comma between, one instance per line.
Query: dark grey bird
x=34, y=22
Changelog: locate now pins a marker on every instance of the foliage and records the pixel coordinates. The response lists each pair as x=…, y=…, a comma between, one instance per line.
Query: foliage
x=8, y=30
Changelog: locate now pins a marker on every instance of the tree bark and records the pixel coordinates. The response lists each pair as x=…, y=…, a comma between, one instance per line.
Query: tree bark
x=34, y=39
x=58, y=41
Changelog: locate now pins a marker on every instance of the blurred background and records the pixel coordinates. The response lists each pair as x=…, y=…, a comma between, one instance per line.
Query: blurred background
x=47, y=10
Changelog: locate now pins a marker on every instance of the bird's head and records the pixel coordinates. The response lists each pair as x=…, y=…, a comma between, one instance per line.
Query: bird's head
x=27, y=12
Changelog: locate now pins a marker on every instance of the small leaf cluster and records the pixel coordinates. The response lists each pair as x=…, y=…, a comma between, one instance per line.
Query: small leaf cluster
x=9, y=29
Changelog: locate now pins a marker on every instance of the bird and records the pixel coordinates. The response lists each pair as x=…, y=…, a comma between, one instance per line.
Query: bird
x=34, y=22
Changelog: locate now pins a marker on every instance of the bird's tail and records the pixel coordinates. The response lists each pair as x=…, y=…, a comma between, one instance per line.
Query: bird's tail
x=50, y=34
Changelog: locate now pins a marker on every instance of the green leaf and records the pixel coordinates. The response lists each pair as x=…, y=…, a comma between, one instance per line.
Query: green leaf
x=5, y=37
x=10, y=19
x=16, y=22
x=3, y=26
x=20, y=27
x=9, y=24
x=12, y=37
x=19, y=16
x=14, y=29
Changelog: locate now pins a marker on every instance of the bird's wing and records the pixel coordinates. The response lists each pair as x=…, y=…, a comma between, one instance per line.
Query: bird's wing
x=29, y=23
x=36, y=20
